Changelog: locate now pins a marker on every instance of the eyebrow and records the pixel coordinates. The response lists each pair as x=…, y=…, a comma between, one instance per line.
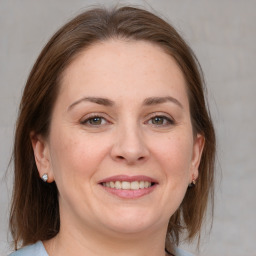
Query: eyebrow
x=159, y=100
x=97, y=100
x=109, y=103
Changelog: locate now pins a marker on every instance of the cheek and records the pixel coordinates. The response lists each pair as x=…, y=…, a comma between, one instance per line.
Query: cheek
x=67, y=154
x=75, y=156
x=173, y=158
x=174, y=155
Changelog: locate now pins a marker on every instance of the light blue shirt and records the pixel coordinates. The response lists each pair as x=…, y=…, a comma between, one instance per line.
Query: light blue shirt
x=38, y=249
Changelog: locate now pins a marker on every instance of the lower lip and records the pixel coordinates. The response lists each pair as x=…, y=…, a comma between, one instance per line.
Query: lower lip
x=129, y=193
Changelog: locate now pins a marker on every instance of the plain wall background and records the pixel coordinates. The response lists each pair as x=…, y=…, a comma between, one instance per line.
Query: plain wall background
x=223, y=35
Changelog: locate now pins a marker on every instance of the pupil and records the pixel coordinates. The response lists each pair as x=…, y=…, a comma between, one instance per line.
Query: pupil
x=96, y=120
x=158, y=120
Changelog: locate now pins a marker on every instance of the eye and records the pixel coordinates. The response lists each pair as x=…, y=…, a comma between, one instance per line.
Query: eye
x=160, y=120
x=94, y=121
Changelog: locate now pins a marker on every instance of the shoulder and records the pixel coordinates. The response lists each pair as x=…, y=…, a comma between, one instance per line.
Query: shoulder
x=36, y=249
x=180, y=252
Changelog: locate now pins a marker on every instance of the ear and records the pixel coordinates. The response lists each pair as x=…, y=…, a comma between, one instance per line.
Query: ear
x=42, y=156
x=198, y=147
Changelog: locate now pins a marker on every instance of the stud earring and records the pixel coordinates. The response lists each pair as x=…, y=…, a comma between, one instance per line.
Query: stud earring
x=45, y=177
x=193, y=183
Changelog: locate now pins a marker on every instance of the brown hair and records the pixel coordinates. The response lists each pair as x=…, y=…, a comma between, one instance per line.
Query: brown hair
x=35, y=213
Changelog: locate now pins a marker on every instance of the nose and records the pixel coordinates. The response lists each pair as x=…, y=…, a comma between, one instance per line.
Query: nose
x=129, y=146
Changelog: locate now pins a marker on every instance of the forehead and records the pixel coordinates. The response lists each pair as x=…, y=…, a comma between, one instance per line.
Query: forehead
x=117, y=67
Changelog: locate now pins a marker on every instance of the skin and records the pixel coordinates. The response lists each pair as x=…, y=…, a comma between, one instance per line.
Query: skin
x=125, y=139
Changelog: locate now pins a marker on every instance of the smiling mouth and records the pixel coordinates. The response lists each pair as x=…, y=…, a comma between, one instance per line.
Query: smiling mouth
x=126, y=185
x=129, y=187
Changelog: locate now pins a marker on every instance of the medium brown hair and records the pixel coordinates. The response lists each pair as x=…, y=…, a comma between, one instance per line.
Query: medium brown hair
x=35, y=212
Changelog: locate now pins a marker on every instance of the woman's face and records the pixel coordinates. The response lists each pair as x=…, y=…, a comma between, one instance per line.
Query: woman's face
x=121, y=147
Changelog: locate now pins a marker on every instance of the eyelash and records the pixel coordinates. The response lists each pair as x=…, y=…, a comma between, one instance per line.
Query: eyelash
x=94, y=116
x=167, y=120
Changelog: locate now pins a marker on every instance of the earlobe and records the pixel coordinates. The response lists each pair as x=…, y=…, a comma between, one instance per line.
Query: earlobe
x=197, y=153
x=42, y=156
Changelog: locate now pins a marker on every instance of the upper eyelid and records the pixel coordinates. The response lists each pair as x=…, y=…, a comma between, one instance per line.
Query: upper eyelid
x=162, y=114
x=168, y=117
x=96, y=114
x=85, y=119
x=110, y=119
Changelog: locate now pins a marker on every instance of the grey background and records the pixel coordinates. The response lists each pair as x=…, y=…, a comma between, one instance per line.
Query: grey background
x=223, y=36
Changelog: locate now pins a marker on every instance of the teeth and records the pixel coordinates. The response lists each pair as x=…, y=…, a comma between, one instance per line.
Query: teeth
x=147, y=184
x=142, y=184
x=118, y=185
x=126, y=185
x=134, y=185
x=112, y=184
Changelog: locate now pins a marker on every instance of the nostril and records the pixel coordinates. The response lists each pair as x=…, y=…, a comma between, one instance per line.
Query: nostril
x=122, y=158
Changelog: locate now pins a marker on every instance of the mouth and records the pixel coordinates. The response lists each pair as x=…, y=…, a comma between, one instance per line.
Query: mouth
x=129, y=187
x=126, y=185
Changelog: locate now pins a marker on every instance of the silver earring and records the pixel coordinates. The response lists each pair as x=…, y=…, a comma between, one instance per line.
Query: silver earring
x=45, y=177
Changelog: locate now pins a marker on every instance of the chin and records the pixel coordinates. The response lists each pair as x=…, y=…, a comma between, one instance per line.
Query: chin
x=133, y=221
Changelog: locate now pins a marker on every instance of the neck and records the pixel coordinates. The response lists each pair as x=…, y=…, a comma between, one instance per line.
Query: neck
x=87, y=242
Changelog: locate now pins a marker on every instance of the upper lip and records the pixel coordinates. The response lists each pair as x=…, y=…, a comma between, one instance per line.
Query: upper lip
x=128, y=178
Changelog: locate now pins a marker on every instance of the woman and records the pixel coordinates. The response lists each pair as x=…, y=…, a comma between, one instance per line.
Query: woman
x=114, y=122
